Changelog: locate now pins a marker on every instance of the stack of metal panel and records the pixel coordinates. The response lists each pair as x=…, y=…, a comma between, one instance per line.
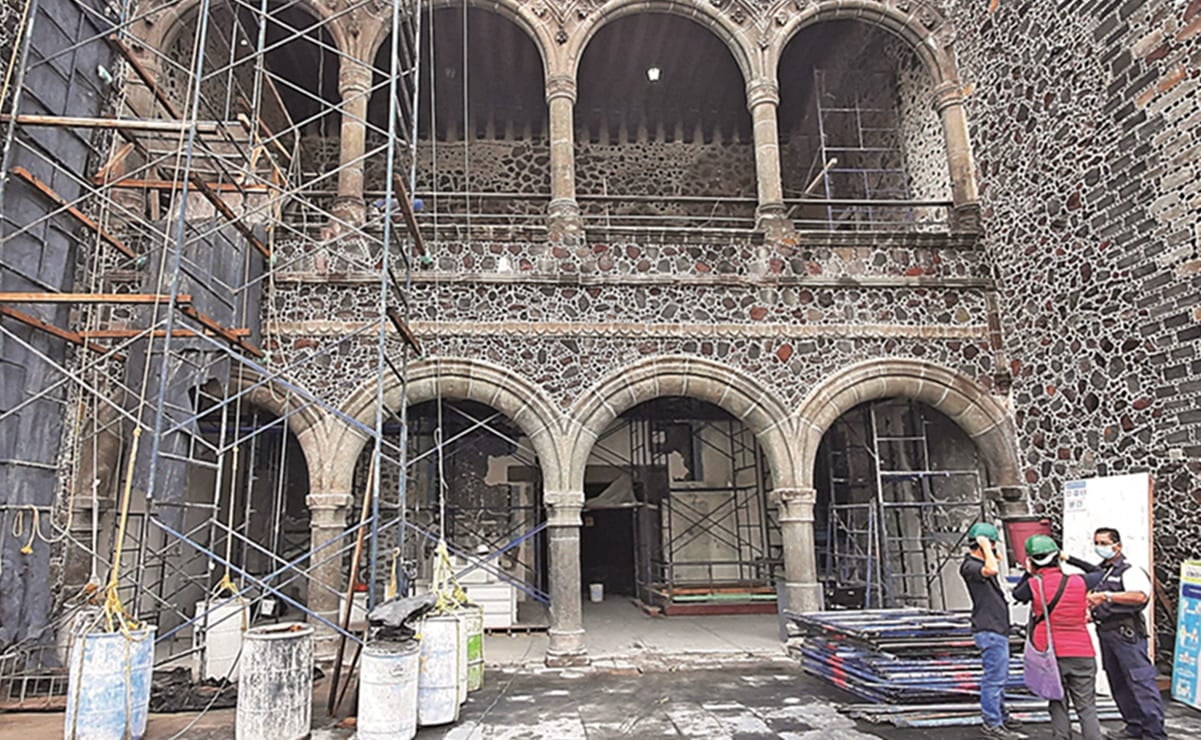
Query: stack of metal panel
x=896, y=656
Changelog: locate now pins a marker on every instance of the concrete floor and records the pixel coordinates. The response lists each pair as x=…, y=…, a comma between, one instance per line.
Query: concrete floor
x=651, y=677
x=615, y=629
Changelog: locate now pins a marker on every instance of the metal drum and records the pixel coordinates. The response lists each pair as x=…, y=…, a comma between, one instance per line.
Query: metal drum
x=388, y=691
x=108, y=687
x=275, y=683
x=443, y=661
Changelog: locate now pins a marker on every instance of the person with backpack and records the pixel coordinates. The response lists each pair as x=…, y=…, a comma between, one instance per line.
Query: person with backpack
x=1059, y=617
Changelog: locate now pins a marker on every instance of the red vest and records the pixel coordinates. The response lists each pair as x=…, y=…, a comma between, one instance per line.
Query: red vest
x=1069, y=618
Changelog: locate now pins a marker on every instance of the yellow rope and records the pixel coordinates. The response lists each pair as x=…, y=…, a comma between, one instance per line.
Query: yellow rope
x=114, y=611
x=446, y=587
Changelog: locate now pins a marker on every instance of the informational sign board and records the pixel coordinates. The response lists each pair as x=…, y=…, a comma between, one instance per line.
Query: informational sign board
x=1186, y=681
x=1121, y=502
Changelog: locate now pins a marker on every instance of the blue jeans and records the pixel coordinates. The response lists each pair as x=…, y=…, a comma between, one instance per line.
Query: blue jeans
x=994, y=651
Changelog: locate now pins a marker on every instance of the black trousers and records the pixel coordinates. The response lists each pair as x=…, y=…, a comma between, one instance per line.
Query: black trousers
x=1079, y=676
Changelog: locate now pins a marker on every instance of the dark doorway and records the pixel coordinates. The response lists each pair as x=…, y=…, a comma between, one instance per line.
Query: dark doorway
x=607, y=549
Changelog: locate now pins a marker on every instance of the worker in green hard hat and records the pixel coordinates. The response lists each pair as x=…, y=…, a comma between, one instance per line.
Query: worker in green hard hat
x=990, y=627
x=1059, y=617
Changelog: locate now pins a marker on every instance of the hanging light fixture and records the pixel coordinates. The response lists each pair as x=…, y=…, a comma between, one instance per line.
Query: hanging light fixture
x=653, y=73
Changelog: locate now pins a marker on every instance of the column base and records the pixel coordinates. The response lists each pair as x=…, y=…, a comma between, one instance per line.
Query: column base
x=966, y=219
x=801, y=597
x=566, y=649
x=772, y=219
x=563, y=221
x=348, y=212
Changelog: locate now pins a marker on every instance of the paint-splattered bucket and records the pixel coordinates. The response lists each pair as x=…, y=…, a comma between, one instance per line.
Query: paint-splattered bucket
x=443, y=661
x=275, y=682
x=388, y=691
x=474, y=617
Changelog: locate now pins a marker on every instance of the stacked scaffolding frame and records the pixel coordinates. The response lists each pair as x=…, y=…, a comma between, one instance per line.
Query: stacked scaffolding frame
x=171, y=211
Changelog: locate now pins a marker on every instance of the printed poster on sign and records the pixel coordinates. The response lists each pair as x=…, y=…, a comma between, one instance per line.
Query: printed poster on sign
x=1186, y=686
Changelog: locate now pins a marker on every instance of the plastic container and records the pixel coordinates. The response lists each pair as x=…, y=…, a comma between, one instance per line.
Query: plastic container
x=388, y=690
x=1018, y=529
x=443, y=661
x=108, y=685
x=474, y=617
x=219, y=632
x=275, y=683
x=596, y=592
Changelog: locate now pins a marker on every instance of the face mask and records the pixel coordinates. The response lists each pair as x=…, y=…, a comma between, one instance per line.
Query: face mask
x=1105, y=551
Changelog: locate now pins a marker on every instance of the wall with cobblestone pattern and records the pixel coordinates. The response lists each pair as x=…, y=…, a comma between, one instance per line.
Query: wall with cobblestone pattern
x=1085, y=121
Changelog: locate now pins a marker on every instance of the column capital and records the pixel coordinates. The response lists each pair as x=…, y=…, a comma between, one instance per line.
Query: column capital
x=328, y=501
x=760, y=91
x=560, y=86
x=946, y=95
x=796, y=504
x=563, y=508
x=354, y=78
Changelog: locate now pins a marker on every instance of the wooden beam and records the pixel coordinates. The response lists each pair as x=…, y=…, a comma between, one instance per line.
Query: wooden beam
x=406, y=331
x=406, y=211
x=158, y=333
x=222, y=187
x=69, y=336
x=79, y=215
x=114, y=162
x=123, y=298
x=228, y=213
x=123, y=124
x=214, y=326
x=144, y=75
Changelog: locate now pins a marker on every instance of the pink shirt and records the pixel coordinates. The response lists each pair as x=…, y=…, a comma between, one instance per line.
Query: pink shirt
x=1069, y=618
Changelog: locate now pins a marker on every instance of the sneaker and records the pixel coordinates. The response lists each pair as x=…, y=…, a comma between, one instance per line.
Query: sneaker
x=996, y=731
x=1011, y=724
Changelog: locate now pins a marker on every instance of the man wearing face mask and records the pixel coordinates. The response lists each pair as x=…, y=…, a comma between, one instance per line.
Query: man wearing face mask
x=1117, y=604
x=990, y=627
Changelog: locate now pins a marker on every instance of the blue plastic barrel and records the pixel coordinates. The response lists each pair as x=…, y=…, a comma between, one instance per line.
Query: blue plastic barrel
x=108, y=686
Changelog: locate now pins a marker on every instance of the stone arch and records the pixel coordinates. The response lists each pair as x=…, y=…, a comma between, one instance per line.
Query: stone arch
x=691, y=377
x=961, y=399
x=160, y=27
x=699, y=11
x=511, y=10
x=921, y=29
x=303, y=419
x=458, y=379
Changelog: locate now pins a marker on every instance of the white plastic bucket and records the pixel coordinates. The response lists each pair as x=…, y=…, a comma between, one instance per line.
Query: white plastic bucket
x=219, y=633
x=443, y=659
x=108, y=687
x=596, y=592
x=388, y=691
x=275, y=683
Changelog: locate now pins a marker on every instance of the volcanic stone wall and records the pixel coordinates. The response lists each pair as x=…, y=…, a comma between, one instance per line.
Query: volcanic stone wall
x=1085, y=119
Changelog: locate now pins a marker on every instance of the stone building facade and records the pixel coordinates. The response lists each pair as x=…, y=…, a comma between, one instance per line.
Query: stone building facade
x=1049, y=307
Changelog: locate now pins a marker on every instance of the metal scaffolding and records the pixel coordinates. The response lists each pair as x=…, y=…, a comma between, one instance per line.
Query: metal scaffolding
x=895, y=520
x=150, y=199
x=700, y=544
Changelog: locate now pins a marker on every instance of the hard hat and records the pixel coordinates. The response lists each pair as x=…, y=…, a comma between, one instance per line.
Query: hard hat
x=1040, y=544
x=985, y=529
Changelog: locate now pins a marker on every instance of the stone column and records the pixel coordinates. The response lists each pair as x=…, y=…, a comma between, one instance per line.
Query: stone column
x=328, y=513
x=563, y=212
x=1010, y=500
x=566, y=632
x=948, y=101
x=762, y=99
x=354, y=85
x=801, y=592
